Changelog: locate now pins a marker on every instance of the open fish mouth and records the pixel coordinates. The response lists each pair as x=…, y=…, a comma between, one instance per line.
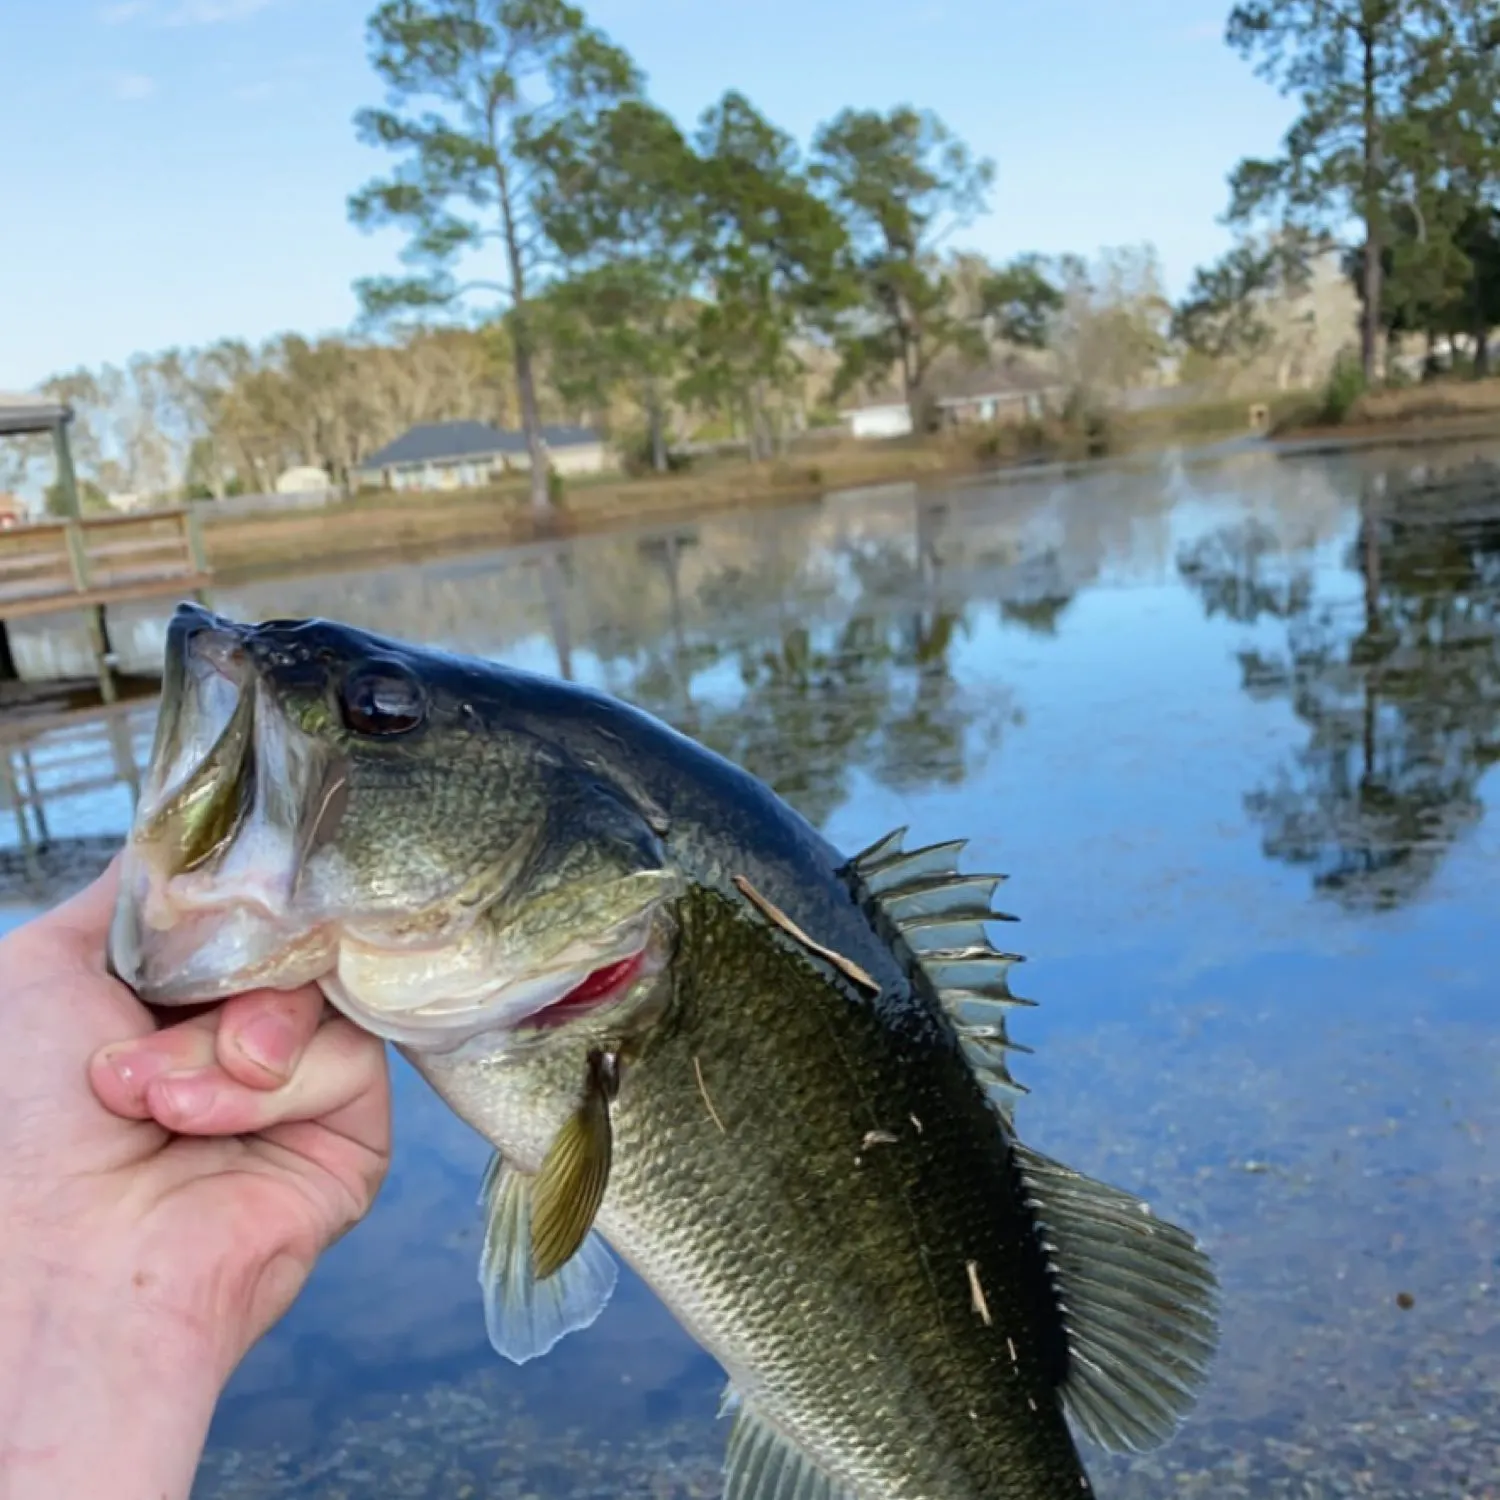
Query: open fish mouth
x=228, y=805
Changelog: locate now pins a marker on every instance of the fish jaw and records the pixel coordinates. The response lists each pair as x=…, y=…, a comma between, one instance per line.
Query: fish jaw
x=466, y=1005
x=208, y=891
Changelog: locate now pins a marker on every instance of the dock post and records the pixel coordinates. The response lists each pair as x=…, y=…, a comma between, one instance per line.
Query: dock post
x=13, y=795
x=31, y=793
x=197, y=553
x=98, y=625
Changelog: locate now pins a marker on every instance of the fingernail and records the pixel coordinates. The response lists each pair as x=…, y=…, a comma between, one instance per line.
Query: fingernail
x=135, y=1066
x=270, y=1043
x=183, y=1094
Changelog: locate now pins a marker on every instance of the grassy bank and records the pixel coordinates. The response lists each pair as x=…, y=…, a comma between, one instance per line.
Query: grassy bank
x=1435, y=408
x=373, y=527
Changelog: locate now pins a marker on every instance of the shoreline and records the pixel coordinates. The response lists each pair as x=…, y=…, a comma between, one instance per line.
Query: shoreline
x=371, y=530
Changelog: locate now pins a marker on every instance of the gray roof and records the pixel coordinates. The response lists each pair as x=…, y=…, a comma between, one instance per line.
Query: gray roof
x=1009, y=380
x=439, y=442
x=29, y=413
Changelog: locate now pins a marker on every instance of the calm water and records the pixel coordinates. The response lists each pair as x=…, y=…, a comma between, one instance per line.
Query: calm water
x=1232, y=729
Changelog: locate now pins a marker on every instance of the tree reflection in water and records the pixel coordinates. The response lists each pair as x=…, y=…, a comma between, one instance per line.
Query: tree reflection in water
x=1398, y=686
x=815, y=691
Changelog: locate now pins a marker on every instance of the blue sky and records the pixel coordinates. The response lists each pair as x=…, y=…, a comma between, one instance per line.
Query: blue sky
x=187, y=161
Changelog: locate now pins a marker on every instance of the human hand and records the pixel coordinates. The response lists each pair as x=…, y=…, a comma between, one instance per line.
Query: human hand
x=164, y=1194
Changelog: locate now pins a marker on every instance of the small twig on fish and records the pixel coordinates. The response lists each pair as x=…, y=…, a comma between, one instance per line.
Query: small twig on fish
x=703, y=1089
x=1010, y=1344
x=877, y=1138
x=977, y=1292
x=915, y=1121
x=780, y=918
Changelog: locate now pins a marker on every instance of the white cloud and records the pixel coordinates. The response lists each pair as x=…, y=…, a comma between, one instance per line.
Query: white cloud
x=132, y=86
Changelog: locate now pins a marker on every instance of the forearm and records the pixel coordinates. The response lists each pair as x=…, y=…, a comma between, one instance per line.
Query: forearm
x=104, y=1405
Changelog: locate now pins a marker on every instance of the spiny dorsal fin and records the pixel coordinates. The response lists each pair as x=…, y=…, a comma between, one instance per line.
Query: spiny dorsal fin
x=1138, y=1299
x=1136, y=1294
x=939, y=916
x=760, y=1464
x=524, y=1314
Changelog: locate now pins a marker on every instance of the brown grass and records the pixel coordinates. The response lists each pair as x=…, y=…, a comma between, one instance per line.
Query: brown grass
x=1435, y=399
x=373, y=526
x=378, y=525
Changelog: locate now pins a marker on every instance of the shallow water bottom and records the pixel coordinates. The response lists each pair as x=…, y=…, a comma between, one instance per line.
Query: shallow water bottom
x=1345, y=1179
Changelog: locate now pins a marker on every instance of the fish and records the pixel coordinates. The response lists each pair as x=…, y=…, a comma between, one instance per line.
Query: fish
x=770, y=1077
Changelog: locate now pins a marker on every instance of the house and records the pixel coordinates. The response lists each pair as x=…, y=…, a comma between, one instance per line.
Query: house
x=878, y=419
x=467, y=455
x=1013, y=392
x=303, y=479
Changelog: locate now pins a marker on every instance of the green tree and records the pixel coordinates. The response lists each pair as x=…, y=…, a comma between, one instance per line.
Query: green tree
x=1449, y=179
x=902, y=184
x=476, y=88
x=1351, y=65
x=622, y=211
x=772, y=258
x=1020, y=299
x=1223, y=315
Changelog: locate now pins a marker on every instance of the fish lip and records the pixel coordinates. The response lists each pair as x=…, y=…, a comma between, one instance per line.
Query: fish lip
x=645, y=935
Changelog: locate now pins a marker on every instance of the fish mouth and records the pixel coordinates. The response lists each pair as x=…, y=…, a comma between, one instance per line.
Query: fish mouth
x=590, y=980
x=225, y=818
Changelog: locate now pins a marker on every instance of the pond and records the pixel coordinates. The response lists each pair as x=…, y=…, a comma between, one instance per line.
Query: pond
x=1231, y=727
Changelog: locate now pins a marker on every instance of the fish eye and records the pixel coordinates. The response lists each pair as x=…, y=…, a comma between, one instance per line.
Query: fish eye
x=382, y=698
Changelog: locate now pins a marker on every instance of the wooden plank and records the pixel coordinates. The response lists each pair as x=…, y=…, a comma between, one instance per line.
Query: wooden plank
x=126, y=593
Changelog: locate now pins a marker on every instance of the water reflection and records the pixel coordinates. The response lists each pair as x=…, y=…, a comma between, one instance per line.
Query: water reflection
x=1393, y=669
x=1269, y=1010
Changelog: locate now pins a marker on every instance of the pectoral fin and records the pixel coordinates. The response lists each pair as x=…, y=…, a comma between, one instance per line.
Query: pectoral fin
x=573, y=1176
x=544, y=1270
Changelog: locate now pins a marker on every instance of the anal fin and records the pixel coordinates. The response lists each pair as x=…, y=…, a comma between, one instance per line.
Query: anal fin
x=525, y=1315
x=1138, y=1299
x=761, y=1464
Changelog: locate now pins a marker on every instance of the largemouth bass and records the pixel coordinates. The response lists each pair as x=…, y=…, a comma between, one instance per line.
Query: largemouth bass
x=770, y=1077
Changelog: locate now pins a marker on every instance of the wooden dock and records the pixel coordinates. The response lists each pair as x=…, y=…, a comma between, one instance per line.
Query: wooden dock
x=88, y=565
x=53, y=762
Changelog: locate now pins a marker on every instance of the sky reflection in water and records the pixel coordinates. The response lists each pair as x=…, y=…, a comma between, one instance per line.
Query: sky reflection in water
x=1231, y=728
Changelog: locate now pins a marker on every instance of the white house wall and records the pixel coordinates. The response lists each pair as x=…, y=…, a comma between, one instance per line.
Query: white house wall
x=880, y=421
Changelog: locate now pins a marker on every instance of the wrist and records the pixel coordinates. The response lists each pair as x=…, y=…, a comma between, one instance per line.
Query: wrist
x=99, y=1395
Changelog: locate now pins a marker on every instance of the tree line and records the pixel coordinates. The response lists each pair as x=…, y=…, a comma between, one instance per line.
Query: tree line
x=573, y=253
x=1393, y=157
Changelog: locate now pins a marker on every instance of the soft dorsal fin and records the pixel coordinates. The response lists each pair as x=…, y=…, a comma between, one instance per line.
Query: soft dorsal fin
x=939, y=915
x=1138, y=1299
x=760, y=1464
